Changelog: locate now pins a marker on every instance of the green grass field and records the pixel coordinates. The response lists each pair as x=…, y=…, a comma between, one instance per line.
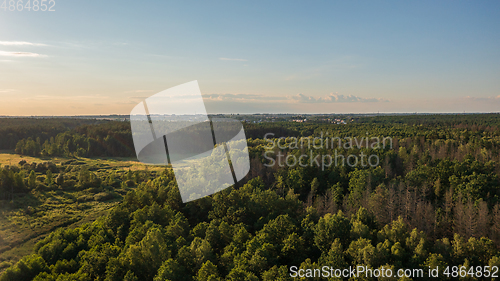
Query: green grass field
x=9, y=157
x=29, y=217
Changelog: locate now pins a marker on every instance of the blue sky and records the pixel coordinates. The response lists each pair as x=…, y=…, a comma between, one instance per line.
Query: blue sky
x=103, y=57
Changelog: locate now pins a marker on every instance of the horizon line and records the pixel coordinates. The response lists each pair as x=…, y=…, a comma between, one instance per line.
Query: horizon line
x=265, y=113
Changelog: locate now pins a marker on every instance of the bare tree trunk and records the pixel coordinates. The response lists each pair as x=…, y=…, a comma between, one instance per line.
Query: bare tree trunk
x=495, y=227
x=483, y=220
x=466, y=218
x=392, y=204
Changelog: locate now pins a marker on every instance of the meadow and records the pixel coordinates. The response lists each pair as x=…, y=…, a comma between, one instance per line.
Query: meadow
x=29, y=217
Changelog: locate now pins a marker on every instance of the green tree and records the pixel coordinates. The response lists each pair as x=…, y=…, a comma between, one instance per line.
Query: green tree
x=32, y=179
x=48, y=178
x=330, y=227
x=207, y=272
x=170, y=270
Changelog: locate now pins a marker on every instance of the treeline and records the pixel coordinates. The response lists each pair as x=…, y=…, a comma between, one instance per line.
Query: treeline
x=449, y=120
x=94, y=138
x=12, y=130
x=108, y=139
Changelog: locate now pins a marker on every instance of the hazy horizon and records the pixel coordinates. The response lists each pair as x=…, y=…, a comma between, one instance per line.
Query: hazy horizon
x=245, y=114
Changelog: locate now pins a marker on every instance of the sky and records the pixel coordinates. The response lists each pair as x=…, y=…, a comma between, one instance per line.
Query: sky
x=104, y=57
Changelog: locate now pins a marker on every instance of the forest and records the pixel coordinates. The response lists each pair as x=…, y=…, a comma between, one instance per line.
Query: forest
x=432, y=201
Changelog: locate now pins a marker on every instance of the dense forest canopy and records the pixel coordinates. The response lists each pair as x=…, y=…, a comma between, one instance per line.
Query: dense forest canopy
x=12, y=130
x=433, y=199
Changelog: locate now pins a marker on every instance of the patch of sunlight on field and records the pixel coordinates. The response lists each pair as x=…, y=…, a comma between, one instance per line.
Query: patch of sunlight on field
x=9, y=157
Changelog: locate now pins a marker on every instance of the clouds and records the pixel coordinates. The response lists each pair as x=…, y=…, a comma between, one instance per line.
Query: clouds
x=20, y=43
x=299, y=98
x=241, y=97
x=299, y=103
x=21, y=54
x=333, y=98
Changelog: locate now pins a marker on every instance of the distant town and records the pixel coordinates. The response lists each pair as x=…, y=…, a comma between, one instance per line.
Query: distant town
x=333, y=118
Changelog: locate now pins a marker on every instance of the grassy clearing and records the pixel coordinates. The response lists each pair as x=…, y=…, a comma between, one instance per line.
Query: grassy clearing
x=9, y=157
x=30, y=217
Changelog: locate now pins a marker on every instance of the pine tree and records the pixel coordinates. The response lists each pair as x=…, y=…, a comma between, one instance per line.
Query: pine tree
x=32, y=180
